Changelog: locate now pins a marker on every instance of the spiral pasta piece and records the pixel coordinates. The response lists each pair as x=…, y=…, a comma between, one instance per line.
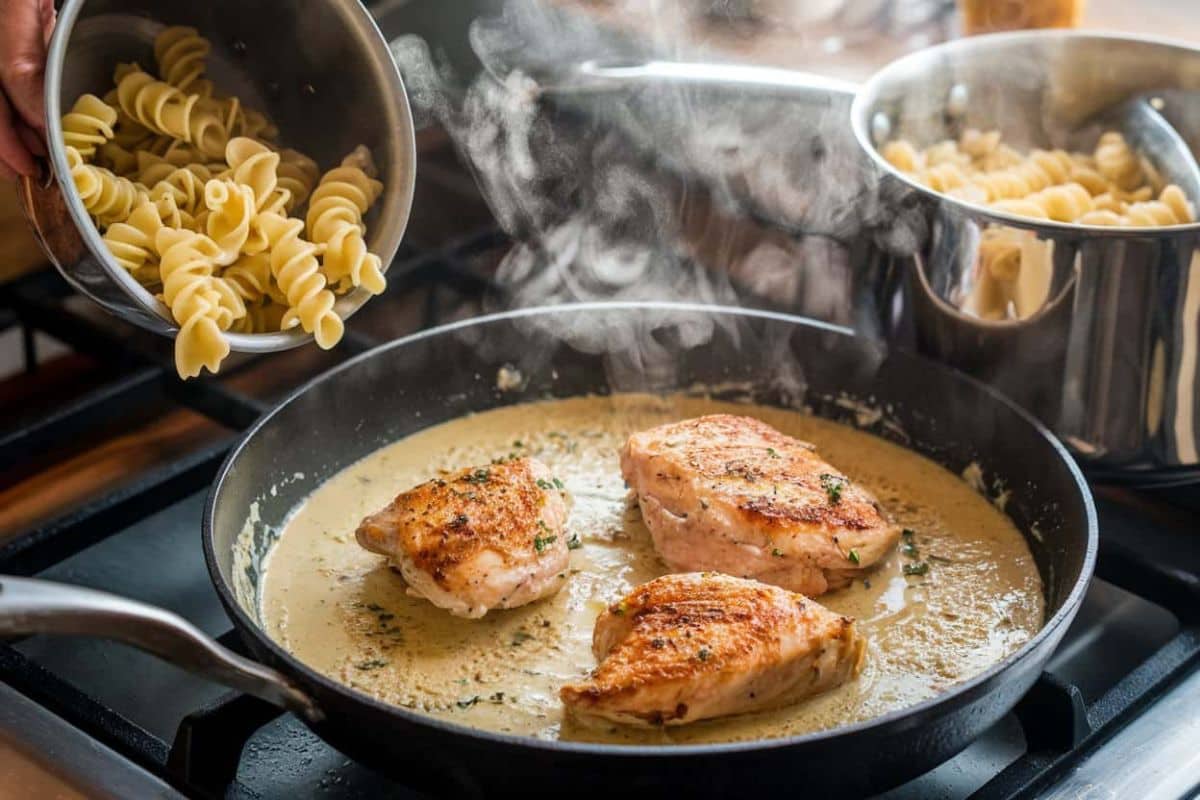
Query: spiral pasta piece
x=250, y=277
x=107, y=197
x=230, y=208
x=88, y=125
x=167, y=111
x=131, y=242
x=335, y=213
x=202, y=305
x=181, y=53
x=1117, y=162
x=253, y=165
x=294, y=265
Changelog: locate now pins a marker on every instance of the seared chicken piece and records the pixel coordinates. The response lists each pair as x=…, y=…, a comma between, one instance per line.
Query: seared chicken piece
x=734, y=495
x=682, y=648
x=477, y=539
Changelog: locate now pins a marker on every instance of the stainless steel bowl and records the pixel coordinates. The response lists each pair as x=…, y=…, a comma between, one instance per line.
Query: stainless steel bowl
x=1104, y=342
x=319, y=68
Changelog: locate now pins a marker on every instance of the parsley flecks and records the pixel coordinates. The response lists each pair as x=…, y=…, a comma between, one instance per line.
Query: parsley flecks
x=541, y=543
x=470, y=701
x=479, y=476
x=518, y=443
x=777, y=552
x=703, y=653
x=772, y=453
x=573, y=543
x=497, y=698
x=520, y=637
x=544, y=484
x=374, y=663
x=833, y=486
x=853, y=556
x=916, y=568
x=557, y=483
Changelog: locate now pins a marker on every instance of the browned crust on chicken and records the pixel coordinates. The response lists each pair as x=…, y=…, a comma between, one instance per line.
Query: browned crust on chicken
x=447, y=522
x=731, y=493
x=699, y=645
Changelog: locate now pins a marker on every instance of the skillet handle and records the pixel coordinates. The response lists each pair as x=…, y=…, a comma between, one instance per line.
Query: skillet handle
x=29, y=606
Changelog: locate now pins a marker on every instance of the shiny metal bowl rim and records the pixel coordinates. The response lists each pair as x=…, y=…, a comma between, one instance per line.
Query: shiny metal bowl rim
x=238, y=342
x=864, y=100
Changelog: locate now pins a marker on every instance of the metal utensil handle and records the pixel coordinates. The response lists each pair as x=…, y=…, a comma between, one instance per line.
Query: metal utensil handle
x=29, y=606
x=750, y=77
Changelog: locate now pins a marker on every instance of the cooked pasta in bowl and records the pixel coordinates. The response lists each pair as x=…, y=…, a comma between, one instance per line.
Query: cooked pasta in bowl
x=1111, y=186
x=215, y=182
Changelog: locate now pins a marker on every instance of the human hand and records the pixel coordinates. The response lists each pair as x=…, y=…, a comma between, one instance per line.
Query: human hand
x=25, y=27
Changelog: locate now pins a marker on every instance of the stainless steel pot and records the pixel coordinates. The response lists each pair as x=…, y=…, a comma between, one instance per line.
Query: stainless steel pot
x=1100, y=339
x=319, y=68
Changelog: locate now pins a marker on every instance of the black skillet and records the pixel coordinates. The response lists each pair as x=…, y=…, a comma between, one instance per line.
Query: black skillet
x=562, y=351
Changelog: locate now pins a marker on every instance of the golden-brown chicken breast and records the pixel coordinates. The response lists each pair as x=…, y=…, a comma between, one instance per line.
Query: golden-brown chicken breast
x=477, y=539
x=682, y=648
x=734, y=495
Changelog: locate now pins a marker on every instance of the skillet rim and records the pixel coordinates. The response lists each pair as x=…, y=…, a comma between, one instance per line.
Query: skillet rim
x=293, y=666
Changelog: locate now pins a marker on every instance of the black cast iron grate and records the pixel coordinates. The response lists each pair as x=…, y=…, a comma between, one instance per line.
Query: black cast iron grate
x=1060, y=727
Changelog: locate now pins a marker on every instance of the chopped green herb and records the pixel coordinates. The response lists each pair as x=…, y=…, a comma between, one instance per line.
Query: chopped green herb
x=470, y=701
x=771, y=452
x=573, y=543
x=916, y=568
x=497, y=698
x=777, y=552
x=518, y=443
x=541, y=543
x=833, y=486
x=853, y=556
x=557, y=483
x=479, y=476
x=520, y=637
x=703, y=653
x=374, y=663
x=544, y=484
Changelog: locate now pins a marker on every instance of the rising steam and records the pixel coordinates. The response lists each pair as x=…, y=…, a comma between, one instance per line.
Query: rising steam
x=695, y=194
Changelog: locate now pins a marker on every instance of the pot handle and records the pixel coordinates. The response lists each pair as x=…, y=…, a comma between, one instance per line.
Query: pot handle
x=29, y=606
x=605, y=74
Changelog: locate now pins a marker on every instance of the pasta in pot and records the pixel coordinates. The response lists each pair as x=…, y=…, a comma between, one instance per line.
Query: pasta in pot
x=194, y=199
x=1111, y=186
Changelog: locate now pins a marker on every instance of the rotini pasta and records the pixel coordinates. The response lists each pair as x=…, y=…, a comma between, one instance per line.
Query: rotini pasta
x=193, y=199
x=335, y=220
x=230, y=209
x=88, y=125
x=294, y=265
x=202, y=305
x=1113, y=185
x=107, y=197
x=131, y=242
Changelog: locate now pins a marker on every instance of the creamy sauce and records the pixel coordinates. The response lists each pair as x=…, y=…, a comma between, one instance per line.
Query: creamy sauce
x=344, y=612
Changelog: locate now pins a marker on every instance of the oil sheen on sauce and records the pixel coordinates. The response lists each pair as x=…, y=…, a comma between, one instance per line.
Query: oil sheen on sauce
x=344, y=612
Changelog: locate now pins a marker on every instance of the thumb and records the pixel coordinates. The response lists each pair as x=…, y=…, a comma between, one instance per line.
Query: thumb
x=23, y=58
